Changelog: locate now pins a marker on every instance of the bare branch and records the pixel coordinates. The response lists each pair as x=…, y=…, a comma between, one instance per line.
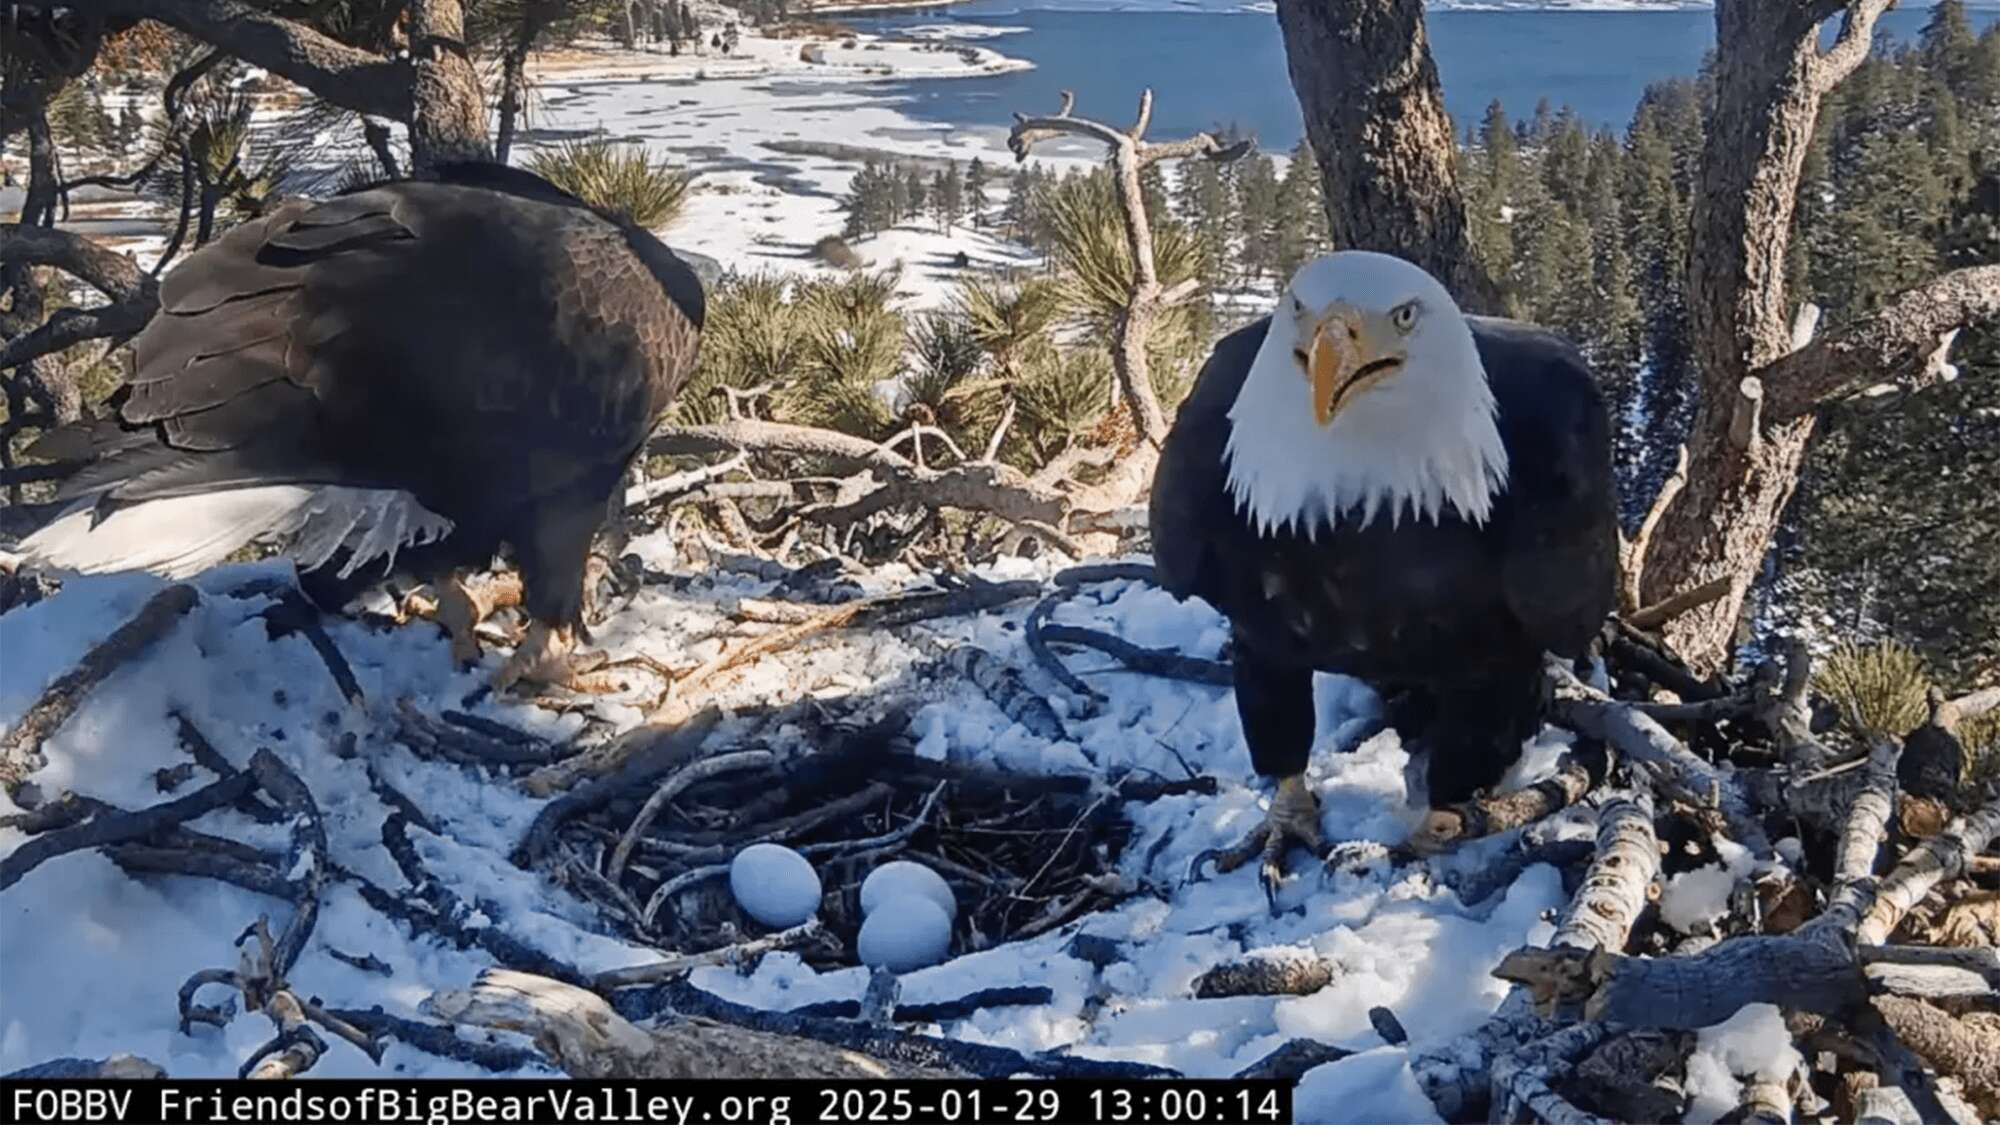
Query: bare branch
x=772, y=437
x=346, y=76
x=1138, y=130
x=107, y=271
x=1893, y=345
x=1659, y=613
x=1633, y=568
x=1857, y=38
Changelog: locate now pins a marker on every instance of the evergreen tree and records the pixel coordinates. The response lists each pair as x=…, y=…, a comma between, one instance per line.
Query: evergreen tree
x=1947, y=42
x=975, y=191
x=1257, y=214
x=916, y=194
x=948, y=196
x=870, y=202
x=1301, y=232
x=1203, y=204
x=1015, y=214
x=729, y=39
x=900, y=201
x=690, y=26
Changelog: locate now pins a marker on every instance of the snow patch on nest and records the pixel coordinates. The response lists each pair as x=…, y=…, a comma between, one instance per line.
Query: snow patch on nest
x=93, y=956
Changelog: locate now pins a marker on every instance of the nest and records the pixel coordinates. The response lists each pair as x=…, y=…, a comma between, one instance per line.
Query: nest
x=1022, y=853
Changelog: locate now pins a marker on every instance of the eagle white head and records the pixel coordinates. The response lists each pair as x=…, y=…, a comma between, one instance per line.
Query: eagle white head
x=1367, y=397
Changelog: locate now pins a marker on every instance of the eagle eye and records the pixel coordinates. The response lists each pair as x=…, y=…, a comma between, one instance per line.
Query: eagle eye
x=1404, y=316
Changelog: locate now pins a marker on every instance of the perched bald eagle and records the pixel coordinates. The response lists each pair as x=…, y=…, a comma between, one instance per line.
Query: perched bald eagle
x=407, y=375
x=1369, y=482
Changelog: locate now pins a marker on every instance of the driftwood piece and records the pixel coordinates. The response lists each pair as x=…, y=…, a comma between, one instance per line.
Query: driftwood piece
x=1290, y=1061
x=582, y=1035
x=1673, y=769
x=1944, y=856
x=1459, y=1076
x=306, y=866
x=1502, y=812
x=1164, y=663
x=21, y=748
x=1931, y=973
x=941, y=1011
x=1299, y=973
x=676, y=783
x=1523, y=1078
x=441, y=1040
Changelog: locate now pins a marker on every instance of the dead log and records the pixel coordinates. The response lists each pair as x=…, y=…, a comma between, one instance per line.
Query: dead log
x=583, y=1036
x=1502, y=812
x=1944, y=856
x=1960, y=1048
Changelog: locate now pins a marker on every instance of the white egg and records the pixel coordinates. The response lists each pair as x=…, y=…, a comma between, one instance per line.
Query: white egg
x=905, y=932
x=904, y=877
x=775, y=885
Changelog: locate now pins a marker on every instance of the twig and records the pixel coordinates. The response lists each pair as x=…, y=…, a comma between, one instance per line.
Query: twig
x=1162, y=662
x=294, y=614
x=1038, y=645
x=683, y=963
x=307, y=862
x=20, y=750
x=1659, y=613
x=674, y=784
x=112, y=827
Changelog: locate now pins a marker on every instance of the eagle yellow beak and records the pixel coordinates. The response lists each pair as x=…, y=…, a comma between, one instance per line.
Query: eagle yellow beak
x=1351, y=350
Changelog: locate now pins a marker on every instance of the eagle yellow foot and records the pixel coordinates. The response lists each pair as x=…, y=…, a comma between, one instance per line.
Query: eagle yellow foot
x=548, y=656
x=463, y=604
x=1293, y=819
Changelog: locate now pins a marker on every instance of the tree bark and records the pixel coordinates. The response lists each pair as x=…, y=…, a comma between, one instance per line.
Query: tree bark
x=512, y=81
x=1388, y=157
x=1771, y=76
x=447, y=102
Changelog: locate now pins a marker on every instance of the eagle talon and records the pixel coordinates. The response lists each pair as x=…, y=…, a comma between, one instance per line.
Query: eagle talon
x=549, y=657
x=1293, y=819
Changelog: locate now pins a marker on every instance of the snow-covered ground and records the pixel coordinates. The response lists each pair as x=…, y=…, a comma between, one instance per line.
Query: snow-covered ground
x=776, y=141
x=91, y=956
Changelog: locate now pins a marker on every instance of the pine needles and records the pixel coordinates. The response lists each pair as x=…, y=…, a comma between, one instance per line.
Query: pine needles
x=620, y=179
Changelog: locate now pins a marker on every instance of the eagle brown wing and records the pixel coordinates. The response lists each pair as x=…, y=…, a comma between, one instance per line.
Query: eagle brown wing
x=1559, y=542
x=479, y=342
x=1190, y=512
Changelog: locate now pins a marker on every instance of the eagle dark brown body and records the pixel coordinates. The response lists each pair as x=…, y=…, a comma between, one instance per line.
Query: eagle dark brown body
x=1459, y=612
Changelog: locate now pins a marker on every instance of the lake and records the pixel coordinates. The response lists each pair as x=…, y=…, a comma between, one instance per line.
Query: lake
x=1218, y=67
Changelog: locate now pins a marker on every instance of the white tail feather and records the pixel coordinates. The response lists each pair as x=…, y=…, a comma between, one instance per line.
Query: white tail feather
x=184, y=535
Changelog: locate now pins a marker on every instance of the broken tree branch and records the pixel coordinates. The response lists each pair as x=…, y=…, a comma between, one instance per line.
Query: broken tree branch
x=20, y=750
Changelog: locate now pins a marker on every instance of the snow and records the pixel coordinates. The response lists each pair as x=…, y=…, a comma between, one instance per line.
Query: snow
x=775, y=885
x=905, y=931
x=91, y=956
x=1753, y=1043
x=1695, y=899
x=903, y=878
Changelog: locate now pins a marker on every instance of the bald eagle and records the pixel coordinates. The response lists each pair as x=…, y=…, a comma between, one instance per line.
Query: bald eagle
x=402, y=378
x=1370, y=482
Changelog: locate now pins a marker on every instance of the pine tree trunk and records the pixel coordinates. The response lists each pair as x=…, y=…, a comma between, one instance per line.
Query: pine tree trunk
x=1374, y=112
x=1771, y=76
x=447, y=103
x=511, y=68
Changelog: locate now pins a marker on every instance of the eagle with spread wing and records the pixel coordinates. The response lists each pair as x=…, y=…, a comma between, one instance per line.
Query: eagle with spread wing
x=400, y=379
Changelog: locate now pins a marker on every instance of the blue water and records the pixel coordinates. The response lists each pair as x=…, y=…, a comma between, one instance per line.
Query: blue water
x=1228, y=67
